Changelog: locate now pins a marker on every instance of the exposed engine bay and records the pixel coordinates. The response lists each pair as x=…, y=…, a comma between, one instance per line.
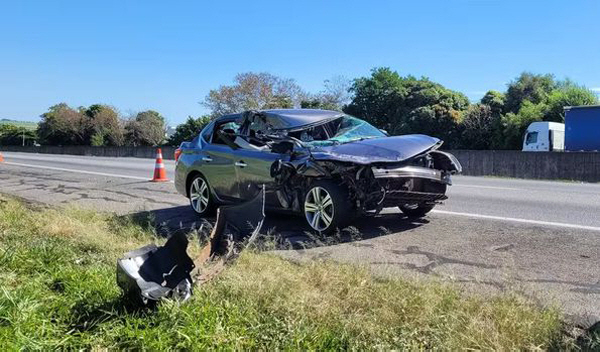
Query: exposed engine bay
x=371, y=188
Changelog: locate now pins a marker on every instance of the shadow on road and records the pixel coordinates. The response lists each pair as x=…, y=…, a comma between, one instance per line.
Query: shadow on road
x=287, y=230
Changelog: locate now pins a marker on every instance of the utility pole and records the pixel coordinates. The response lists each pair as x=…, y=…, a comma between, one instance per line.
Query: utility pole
x=23, y=137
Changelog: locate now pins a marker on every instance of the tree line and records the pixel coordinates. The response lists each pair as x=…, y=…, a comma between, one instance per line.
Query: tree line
x=407, y=104
x=395, y=103
x=96, y=125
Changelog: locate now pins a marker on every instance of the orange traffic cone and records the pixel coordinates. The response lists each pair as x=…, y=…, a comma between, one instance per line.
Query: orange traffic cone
x=1, y=158
x=160, y=174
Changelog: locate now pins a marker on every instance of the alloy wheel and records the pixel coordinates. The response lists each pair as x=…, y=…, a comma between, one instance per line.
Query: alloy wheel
x=199, y=194
x=319, y=209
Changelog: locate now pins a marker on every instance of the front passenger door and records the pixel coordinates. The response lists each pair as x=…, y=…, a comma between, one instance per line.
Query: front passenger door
x=218, y=165
x=253, y=168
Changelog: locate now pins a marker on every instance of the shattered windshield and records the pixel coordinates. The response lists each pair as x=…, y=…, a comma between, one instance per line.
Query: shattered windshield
x=341, y=130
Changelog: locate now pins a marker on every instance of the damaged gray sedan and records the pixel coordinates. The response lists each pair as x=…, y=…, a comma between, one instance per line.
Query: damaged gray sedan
x=325, y=165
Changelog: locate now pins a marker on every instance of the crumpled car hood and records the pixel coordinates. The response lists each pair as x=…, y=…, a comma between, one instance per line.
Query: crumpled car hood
x=377, y=150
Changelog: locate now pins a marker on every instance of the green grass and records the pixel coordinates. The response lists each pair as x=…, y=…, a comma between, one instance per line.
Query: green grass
x=27, y=124
x=58, y=291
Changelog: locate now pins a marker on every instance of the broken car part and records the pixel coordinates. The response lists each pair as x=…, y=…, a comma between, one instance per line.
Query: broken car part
x=151, y=273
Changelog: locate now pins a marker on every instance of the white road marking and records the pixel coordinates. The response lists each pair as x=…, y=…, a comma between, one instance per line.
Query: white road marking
x=522, y=221
x=490, y=187
x=80, y=171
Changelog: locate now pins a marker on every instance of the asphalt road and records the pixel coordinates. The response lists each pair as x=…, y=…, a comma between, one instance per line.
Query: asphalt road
x=541, y=238
x=569, y=203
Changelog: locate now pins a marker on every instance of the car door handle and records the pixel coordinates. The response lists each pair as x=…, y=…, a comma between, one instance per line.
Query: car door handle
x=208, y=159
x=240, y=164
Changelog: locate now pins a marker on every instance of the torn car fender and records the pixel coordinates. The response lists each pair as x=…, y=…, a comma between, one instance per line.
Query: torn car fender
x=312, y=168
x=446, y=162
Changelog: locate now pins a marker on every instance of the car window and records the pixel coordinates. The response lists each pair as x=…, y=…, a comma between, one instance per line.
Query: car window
x=258, y=126
x=531, y=138
x=207, y=133
x=228, y=129
x=341, y=130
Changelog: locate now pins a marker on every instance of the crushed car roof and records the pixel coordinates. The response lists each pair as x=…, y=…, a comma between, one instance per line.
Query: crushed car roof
x=293, y=118
x=283, y=119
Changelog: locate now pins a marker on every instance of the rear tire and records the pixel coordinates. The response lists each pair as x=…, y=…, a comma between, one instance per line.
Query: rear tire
x=201, y=200
x=327, y=206
x=416, y=210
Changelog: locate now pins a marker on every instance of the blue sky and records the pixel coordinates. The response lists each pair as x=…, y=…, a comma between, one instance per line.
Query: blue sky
x=167, y=55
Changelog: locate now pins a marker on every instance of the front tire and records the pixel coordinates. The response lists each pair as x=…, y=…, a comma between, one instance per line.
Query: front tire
x=416, y=210
x=201, y=199
x=326, y=206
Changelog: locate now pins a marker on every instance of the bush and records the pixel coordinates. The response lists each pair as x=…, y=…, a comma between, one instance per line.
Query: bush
x=403, y=105
x=146, y=128
x=188, y=130
x=16, y=135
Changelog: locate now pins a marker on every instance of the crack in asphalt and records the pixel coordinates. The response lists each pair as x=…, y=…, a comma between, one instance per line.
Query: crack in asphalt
x=82, y=196
x=137, y=196
x=588, y=289
x=435, y=260
x=28, y=179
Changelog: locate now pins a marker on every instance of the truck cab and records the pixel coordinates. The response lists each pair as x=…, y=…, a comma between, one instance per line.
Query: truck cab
x=544, y=136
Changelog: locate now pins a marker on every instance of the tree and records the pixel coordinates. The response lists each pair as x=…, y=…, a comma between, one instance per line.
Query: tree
x=376, y=98
x=188, y=130
x=528, y=87
x=567, y=94
x=495, y=100
x=16, y=135
x=514, y=125
x=337, y=91
x=97, y=139
x=403, y=105
x=62, y=125
x=335, y=95
x=279, y=102
x=105, y=127
x=146, y=128
x=479, y=125
x=319, y=102
x=253, y=91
